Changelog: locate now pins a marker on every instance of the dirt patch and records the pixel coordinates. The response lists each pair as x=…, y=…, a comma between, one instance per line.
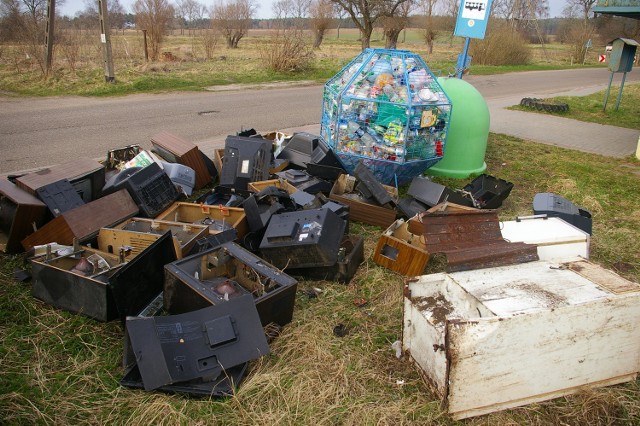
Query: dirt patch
x=533, y=290
x=437, y=306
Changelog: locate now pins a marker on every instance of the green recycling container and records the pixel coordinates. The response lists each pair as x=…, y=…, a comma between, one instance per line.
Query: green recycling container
x=468, y=131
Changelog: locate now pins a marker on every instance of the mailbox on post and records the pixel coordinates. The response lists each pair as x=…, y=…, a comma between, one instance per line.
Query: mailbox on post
x=622, y=54
x=623, y=51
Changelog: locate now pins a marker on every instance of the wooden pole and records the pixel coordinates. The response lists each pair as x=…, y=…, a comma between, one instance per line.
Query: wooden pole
x=51, y=17
x=146, y=51
x=105, y=38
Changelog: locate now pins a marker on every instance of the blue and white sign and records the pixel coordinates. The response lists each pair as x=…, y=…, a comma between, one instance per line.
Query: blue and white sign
x=472, y=18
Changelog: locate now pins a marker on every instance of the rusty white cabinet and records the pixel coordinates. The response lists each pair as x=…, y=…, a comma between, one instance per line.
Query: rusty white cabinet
x=495, y=338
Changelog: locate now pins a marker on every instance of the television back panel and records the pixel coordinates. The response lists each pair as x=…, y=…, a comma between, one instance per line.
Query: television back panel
x=245, y=160
x=303, y=238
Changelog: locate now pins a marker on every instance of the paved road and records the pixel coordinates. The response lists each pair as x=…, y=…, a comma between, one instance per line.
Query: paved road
x=38, y=132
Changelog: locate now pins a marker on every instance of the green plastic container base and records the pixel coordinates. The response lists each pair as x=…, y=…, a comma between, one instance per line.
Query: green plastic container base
x=455, y=173
x=468, y=131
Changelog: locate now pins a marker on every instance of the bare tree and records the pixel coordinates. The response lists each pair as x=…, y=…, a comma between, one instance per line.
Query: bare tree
x=292, y=12
x=340, y=14
x=427, y=7
x=519, y=12
x=610, y=27
x=189, y=12
x=580, y=29
x=117, y=15
x=209, y=40
x=12, y=23
x=281, y=9
x=365, y=14
x=448, y=9
x=36, y=9
x=582, y=7
x=153, y=16
x=233, y=20
x=321, y=13
x=394, y=24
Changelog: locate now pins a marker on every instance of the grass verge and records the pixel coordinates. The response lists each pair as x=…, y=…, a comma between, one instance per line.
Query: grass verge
x=60, y=368
x=590, y=108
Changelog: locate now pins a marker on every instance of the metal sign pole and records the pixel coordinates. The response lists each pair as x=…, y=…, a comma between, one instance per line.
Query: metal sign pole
x=606, y=95
x=624, y=76
x=465, y=55
x=471, y=22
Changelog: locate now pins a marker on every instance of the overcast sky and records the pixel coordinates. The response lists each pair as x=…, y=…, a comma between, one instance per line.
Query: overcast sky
x=71, y=7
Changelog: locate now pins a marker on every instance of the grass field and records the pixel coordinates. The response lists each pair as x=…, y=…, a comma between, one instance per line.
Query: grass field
x=60, y=368
x=184, y=65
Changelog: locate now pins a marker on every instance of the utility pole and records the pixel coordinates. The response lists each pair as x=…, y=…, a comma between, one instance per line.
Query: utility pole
x=105, y=38
x=51, y=17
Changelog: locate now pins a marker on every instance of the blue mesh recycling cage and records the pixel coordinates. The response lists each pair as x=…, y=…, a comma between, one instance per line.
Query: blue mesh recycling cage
x=387, y=109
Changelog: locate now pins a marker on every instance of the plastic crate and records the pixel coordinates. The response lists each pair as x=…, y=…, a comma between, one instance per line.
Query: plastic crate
x=386, y=108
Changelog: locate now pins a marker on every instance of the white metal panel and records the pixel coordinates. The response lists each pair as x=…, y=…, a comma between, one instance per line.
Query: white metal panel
x=504, y=362
x=556, y=239
x=557, y=328
x=525, y=287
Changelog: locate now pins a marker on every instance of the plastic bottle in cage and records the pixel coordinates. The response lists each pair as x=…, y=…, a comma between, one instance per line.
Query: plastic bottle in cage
x=354, y=130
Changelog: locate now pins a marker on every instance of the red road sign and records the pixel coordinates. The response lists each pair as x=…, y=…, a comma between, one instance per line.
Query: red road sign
x=602, y=58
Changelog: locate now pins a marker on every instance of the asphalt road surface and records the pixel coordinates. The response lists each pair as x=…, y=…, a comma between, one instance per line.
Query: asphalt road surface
x=38, y=132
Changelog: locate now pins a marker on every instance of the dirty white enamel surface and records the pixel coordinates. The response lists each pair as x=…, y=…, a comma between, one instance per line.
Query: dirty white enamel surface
x=496, y=338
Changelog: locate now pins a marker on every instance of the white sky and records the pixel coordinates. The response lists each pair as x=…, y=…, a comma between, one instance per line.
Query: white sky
x=264, y=10
x=72, y=6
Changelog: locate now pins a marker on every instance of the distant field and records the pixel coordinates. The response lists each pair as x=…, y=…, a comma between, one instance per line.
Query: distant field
x=184, y=64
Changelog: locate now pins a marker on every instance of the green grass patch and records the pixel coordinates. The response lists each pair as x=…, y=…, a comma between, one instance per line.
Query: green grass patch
x=590, y=108
x=61, y=368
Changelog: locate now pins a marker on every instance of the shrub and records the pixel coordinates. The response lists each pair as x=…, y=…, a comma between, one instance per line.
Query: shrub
x=287, y=51
x=501, y=46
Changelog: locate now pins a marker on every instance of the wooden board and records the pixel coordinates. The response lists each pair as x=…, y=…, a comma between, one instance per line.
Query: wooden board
x=604, y=278
x=196, y=213
x=20, y=214
x=470, y=238
x=144, y=232
x=401, y=251
x=73, y=170
x=185, y=153
x=278, y=183
x=84, y=222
